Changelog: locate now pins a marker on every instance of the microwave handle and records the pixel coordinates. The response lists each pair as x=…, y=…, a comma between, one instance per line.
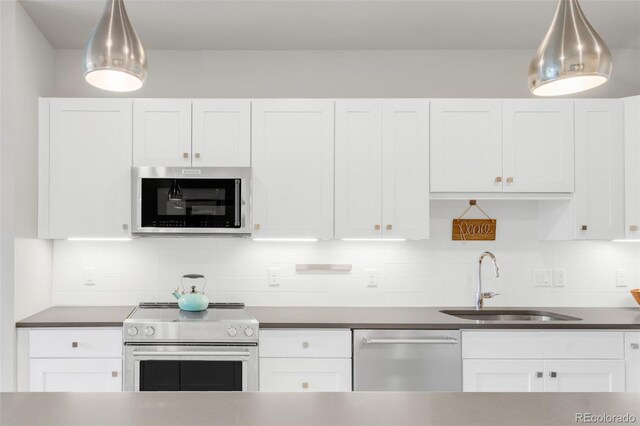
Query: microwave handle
x=238, y=202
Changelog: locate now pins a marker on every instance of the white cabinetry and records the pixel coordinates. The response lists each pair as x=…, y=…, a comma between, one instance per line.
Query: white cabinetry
x=632, y=360
x=550, y=361
x=466, y=145
x=199, y=133
x=305, y=360
x=71, y=359
x=382, y=169
x=292, y=157
x=632, y=166
x=84, y=168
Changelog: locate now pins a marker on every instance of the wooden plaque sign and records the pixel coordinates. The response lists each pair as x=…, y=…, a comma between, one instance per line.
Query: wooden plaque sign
x=474, y=230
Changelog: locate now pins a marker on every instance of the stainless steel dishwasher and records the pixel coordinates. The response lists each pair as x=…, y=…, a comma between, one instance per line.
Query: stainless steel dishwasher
x=407, y=360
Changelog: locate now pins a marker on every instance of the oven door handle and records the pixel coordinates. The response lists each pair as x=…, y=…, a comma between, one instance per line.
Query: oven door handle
x=191, y=353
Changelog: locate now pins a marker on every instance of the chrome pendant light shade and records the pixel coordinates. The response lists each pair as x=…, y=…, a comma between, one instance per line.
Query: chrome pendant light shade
x=114, y=58
x=572, y=57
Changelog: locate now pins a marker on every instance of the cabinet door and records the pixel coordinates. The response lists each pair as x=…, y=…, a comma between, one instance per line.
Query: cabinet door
x=405, y=169
x=221, y=133
x=632, y=166
x=162, y=132
x=305, y=375
x=292, y=157
x=466, y=145
x=89, y=167
x=538, y=146
x=584, y=376
x=75, y=375
x=599, y=195
x=358, y=163
x=632, y=361
x=502, y=375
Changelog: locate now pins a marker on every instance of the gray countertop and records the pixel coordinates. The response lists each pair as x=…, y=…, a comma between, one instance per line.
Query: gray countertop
x=432, y=318
x=349, y=317
x=301, y=409
x=78, y=316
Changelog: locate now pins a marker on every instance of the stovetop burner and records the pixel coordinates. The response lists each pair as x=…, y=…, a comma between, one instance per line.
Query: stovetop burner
x=174, y=305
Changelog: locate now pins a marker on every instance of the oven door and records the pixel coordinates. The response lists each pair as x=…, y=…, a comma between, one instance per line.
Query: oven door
x=191, y=368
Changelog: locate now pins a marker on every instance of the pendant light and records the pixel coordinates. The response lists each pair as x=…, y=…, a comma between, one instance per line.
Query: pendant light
x=114, y=58
x=572, y=57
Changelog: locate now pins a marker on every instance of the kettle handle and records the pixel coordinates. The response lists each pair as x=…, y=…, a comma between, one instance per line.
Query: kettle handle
x=193, y=277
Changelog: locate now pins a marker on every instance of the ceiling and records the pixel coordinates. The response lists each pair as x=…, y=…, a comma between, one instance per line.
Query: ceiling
x=334, y=25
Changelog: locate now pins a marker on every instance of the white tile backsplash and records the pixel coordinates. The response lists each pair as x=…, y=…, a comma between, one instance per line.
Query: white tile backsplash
x=411, y=273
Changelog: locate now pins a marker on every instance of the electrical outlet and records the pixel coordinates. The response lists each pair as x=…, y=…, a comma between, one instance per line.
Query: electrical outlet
x=372, y=278
x=621, y=278
x=89, y=275
x=559, y=277
x=273, y=277
x=542, y=278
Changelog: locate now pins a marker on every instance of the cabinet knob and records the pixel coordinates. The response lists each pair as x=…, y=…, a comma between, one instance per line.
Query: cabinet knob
x=125, y=226
x=583, y=228
x=498, y=179
x=74, y=344
x=389, y=227
x=305, y=345
x=633, y=228
x=256, y=226
x=114, y=374
x=185, y=155
x=376, y=227
x=553, y=374
x=635, y=346
x=197, y=155
x=509, y=179
x=539, y=374
x=305, y=385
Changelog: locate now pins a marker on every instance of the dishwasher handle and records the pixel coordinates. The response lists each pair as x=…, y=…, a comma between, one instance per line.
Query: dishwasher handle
x=428, y=341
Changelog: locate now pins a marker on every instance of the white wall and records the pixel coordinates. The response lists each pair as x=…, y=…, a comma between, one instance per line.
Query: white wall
x=25, y=264
x=340, y=74
x=424, y=273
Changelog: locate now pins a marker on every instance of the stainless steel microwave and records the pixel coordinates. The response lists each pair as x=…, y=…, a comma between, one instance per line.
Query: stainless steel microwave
x=181, y=201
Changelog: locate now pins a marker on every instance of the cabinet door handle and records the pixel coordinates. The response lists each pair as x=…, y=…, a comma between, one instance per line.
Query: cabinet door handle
x=197, y=155
x=376, y=227
x=74, y=344
x=553, y=374
x=635, y=346
x=305, y=385
x=633, y=228
x=256, y=226
x=114, y=374
x=305, y=345
x=185, y=155
x=539, y=374
x=498, y=179
x=389, y=227
x=583, y=228
x=509, y=179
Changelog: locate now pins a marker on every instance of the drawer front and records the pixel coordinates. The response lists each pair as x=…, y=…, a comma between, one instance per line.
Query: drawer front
x=583, y=344
x=502, y=344
x=304, y=343
x=305, y=375
x=75, y=343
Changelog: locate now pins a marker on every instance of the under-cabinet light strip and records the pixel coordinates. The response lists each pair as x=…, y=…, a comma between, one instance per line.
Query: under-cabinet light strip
x=97, y=239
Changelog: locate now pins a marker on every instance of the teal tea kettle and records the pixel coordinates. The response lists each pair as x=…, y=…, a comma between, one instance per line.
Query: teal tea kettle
x=192, y=301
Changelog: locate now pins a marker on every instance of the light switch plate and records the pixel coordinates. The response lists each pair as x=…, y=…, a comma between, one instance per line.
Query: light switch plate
x=89, y=275
x=559, y=277
x=274, y=281
x=372, y=278
x=542, y=277
x=621, y=277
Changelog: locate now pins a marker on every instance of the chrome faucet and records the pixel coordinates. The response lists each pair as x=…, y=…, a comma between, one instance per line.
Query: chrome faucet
x=480, y=296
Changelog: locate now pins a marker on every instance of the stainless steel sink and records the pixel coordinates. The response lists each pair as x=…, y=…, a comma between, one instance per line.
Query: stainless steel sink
x=509, y=315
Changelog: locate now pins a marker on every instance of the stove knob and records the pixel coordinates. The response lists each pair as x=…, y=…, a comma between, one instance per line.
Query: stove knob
x=231, y=331
x=132, y=331
x=248, y=332
x=149, y=331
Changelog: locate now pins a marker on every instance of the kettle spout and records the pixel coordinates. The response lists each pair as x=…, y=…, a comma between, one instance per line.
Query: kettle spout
x=177, y=295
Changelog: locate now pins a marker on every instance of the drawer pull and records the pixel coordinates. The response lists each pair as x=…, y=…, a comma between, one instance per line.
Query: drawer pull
x=553, y=374
x=185, y=155
x=389, y=227
x=376, y=227
x=539, y=374
x=305, y=345
x=498, y=179
x=583, y=228
x=509, y=180
x=74, y=344
x=305, y=385
x=197, y=155
x=635, y=346
x=114, y=374
x=633, y=228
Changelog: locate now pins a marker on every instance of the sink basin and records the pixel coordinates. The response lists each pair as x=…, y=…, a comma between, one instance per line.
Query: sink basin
x=509, y=315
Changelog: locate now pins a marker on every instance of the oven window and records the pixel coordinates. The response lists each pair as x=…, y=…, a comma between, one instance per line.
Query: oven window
x=191, y=375
x=191, y=203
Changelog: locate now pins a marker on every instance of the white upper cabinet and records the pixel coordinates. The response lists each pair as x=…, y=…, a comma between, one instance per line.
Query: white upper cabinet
x=358, y=172
x=382, y=169
x=405, y=169
x=599, y=194
x=632, y=166
x=84, y=168
x=221, y=133
x=538, y=145
x=466, y=145
x=292, y=157
x=162, y=132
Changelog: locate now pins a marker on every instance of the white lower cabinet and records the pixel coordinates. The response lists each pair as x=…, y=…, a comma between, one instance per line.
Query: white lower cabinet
x=75, y=375
x=632, y=360
x=305, y=360
x=544, y=361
